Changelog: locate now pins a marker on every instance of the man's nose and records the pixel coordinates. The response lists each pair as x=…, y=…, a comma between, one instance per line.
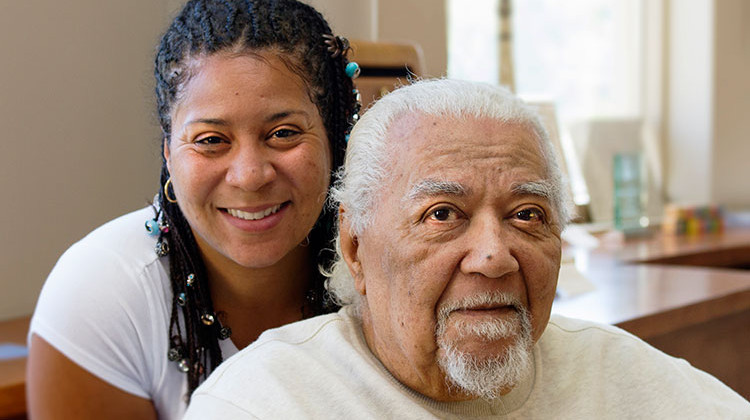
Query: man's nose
x=251, y=167
x=489, y=249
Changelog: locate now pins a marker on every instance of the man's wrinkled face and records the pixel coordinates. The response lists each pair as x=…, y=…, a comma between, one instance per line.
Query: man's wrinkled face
x=459, y=266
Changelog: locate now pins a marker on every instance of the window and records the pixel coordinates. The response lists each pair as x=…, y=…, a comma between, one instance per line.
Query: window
x=585, y=56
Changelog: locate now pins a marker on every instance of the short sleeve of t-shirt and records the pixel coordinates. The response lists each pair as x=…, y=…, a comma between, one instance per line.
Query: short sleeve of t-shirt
x=102, y=307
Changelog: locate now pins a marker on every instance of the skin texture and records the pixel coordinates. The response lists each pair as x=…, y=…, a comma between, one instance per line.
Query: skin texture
x=57, y=388
x=426, y=250
x=246, y=136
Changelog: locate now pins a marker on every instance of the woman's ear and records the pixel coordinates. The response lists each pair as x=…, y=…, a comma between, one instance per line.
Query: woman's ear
x=166, y=152
x=349, y=250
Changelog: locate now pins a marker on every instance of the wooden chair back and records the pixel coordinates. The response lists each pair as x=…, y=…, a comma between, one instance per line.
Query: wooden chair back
x=384, y=65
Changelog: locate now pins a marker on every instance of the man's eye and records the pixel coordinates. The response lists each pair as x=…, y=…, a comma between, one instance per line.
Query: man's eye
x=443, y=214
x=530, y=215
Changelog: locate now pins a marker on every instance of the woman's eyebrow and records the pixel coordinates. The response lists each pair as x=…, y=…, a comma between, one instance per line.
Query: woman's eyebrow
x=222, y=122
x=210, y=121
x=286, y=113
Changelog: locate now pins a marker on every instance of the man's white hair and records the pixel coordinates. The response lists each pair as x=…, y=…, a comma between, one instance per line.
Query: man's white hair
x=366, y=165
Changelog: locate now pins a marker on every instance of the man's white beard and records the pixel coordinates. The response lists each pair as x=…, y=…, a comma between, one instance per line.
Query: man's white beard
x=486, y=377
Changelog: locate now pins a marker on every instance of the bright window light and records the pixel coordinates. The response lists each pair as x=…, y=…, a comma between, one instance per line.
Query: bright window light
x=585, y=56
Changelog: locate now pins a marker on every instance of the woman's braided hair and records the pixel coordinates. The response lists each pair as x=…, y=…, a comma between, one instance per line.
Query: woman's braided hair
x=293, y=31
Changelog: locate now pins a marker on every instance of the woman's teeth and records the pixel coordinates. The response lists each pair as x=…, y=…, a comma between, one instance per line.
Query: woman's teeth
x=245, y=215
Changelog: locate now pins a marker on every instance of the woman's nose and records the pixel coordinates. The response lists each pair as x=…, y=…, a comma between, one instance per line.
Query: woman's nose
x=250, y=168
x=490, y=249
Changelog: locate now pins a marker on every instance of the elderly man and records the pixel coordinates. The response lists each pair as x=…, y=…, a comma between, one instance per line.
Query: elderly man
x=451, y=208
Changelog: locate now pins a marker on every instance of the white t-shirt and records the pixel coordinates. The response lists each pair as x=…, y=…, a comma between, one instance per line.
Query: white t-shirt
x=321, y=368
x=106, y=306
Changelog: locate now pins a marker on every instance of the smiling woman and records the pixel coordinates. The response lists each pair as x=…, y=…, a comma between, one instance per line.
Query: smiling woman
x=254, y=105
x=249, y=161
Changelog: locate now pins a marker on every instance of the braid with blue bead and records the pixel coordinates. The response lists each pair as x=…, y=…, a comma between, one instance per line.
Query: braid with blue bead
x=205, y=27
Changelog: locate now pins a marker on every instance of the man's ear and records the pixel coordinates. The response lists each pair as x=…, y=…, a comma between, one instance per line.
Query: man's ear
x=166, y=152
x=349, y=250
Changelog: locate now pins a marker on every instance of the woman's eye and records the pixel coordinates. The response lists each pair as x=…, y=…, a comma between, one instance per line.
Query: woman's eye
x=284, y=133
x=530, y=215
x=210, y=141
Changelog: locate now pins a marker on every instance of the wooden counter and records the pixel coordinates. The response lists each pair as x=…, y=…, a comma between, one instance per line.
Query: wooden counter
x=678, y=294
x=13, y=371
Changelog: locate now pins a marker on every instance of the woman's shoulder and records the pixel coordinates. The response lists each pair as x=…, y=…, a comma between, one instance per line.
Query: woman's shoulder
x=117, y=259
x=121, y=247
x=114, y=269
x=105, y=305
x=126, y=234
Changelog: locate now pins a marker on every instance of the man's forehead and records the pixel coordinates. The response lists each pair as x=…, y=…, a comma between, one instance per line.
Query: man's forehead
x=436, y=155
x=405, y=124
x=413, y=131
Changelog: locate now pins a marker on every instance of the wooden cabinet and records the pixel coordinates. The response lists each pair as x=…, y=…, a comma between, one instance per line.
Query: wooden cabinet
x=13, y=371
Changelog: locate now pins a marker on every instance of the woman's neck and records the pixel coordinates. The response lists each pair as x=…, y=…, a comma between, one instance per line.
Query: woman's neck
x=252, y=300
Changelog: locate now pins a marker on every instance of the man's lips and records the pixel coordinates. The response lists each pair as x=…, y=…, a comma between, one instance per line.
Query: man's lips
x=485, y=310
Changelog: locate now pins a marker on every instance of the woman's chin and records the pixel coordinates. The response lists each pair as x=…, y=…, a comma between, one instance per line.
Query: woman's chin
x=267, y=256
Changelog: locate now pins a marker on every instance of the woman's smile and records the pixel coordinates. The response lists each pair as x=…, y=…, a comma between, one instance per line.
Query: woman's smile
x=256, y=221
x=253, y=215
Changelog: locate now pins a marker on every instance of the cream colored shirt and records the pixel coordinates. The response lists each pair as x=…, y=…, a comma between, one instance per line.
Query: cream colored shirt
x=321, y=368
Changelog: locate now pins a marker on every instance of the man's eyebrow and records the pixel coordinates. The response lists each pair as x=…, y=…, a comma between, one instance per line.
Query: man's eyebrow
x=434, y=187
x=541, y=189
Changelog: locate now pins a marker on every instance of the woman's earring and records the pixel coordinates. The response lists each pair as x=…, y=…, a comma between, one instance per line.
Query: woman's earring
x=166, y=191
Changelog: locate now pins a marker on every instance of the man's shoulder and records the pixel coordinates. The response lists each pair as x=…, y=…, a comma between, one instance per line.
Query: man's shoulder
x=307, y=333
x=294, y=346
x=287, y=370
x=560, y=326
x=606, y=366
x=584, y=343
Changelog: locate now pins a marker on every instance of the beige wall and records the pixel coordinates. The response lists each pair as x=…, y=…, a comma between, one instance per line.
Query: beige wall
x=352, y=19
x=730, y=183
x=79, y=140
x=420, y=21
x=708, y=109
